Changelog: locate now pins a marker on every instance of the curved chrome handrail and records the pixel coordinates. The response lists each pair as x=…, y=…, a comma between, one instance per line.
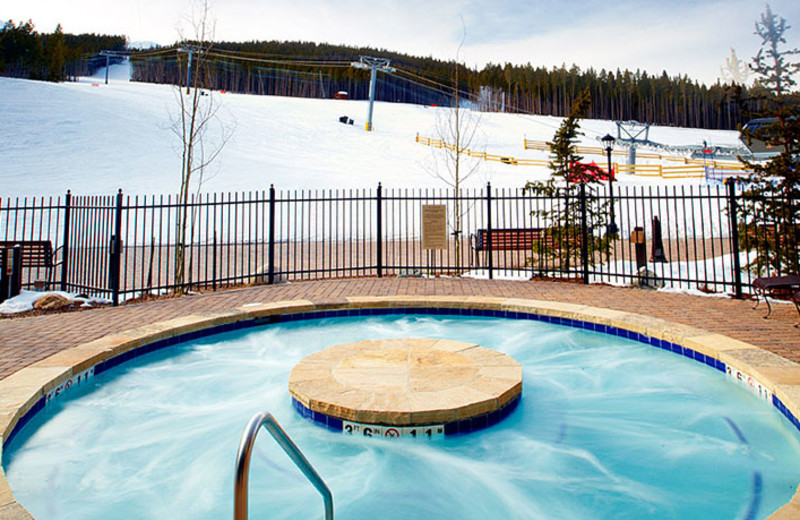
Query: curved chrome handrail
x=243, y=464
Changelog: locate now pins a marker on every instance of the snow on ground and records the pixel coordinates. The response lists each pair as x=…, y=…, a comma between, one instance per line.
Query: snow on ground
x=94, y=138
x=25, y=300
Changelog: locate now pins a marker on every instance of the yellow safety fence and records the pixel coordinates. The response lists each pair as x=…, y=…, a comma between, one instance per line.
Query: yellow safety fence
x=666, y=172
x=505, y=159
x=690, y=169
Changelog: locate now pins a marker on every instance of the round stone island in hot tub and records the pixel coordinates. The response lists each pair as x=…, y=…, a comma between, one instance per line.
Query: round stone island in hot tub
x=406, y=387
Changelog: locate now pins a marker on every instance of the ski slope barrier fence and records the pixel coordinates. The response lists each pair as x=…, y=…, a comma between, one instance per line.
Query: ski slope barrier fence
x=123, y=246
x=689, y=169
x=505, y=159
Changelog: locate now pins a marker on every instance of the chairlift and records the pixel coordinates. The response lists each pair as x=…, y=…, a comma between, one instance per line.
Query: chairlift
x=754, y=136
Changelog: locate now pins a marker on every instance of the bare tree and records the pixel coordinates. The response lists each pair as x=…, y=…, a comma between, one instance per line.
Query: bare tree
x=197, y=119
x=458, y=128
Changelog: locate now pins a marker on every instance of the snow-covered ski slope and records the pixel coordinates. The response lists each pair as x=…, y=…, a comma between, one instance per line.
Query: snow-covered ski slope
x=93, y=138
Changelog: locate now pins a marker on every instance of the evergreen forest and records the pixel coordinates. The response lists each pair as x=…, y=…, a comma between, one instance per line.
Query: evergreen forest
x=307, y=69
x=56, y=56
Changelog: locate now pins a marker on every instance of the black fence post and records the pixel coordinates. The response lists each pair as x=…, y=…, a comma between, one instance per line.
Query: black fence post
x=65, y=243
x=733, y=211
x=15, y=283
x=584, y=236
x=489, y=229
x=4, y=274
x=380, y=230
x=271, y=245
x=214, y=263
x=116, y=252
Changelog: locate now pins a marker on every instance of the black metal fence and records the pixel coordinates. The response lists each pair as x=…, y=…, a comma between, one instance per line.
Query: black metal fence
x=121, y=247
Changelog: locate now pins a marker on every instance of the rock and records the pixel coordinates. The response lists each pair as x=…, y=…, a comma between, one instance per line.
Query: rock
x=647, y=280
x=52, y=301
x=409, y=273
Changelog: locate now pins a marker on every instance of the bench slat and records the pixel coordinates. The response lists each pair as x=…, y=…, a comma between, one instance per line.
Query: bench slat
x=512, y=239
x=35, y=253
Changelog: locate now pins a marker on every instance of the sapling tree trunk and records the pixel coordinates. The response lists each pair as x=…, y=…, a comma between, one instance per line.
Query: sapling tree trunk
x=201, y=132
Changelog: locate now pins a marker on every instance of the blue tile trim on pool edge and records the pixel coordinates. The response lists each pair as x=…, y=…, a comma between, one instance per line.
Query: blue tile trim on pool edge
x=470, y=425
x=382, y=311
x=36, y=408
x=777, y=403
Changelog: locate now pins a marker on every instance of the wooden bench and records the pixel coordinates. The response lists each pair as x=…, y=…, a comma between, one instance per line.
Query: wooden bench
x=512, y=239
x=767, y=286
x=35, y=253
x=776, y=234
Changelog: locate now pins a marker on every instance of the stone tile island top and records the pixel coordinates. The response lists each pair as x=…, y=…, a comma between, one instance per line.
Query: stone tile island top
x=406, y=381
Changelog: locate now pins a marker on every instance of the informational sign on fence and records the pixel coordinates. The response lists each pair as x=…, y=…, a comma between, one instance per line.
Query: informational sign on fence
x=434, y=226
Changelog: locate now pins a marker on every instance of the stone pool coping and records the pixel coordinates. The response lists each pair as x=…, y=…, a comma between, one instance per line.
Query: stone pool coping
x=24, y=391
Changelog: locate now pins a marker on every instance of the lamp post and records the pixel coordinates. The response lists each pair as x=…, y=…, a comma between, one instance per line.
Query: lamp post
x=609, y=141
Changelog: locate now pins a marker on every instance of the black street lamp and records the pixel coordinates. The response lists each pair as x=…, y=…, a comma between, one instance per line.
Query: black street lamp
x=609, y=141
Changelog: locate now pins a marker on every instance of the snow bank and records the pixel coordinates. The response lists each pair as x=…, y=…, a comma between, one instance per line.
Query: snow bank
x=26, y=299
x=94, y=138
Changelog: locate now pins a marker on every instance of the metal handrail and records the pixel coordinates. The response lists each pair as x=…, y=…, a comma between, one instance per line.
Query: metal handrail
x=243, y=464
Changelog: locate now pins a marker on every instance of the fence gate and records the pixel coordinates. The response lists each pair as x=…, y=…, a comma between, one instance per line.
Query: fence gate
x=92, y=246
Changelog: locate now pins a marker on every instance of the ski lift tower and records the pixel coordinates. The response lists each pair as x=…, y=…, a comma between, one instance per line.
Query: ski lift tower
x=374, y=65
x=630, y=133
x=113, y=54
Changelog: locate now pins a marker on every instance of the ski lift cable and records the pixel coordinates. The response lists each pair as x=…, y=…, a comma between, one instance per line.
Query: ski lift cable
x=513, y=109
x=447, y=93
x=153, y=53
x=264, y=58
x=440, y=87
x=447, y=89
x=284, y=62
x=275, y=55
x=245, y=57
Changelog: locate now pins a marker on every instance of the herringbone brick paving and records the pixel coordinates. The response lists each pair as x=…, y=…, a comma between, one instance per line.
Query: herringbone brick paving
x=26, y=340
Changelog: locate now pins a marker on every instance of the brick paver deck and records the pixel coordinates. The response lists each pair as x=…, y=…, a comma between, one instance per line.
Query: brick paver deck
x=26, y=340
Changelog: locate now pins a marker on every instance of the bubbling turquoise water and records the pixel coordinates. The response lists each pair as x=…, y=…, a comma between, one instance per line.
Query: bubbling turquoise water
x=607, y=428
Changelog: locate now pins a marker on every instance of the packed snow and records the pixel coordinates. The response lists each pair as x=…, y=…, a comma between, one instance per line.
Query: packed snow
x=94, y=138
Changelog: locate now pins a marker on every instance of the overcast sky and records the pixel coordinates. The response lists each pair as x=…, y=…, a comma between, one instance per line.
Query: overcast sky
x=691, y=37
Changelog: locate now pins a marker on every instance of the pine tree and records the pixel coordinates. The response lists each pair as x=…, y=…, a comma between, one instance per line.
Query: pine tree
x=771, y=62
x=569, y=191
x=770, y=222
x=771, y=199
x=55, y=55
